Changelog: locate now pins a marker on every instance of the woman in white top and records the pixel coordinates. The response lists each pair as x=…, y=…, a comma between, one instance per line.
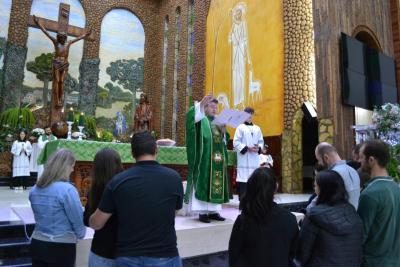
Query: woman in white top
x=21, y=149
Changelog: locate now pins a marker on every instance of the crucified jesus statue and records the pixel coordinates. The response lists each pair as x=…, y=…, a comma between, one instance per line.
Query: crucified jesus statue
x=60, y=60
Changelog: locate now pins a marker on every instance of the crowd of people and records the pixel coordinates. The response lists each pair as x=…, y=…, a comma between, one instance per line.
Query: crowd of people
x=347, y=223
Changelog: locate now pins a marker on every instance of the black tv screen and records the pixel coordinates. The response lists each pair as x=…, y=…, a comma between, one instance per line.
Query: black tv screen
x=368, y=76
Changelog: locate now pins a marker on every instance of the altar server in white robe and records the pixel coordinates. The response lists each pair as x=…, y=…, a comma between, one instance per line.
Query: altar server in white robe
x=248, y=143
x=21, y=149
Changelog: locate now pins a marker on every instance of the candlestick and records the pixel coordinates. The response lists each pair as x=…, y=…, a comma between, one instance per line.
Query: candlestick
x=69, y=129
x=80, y=132
x=70, y=114
x=81, y=119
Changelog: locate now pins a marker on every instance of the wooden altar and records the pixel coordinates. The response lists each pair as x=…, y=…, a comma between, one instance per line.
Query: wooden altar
x=84, y=151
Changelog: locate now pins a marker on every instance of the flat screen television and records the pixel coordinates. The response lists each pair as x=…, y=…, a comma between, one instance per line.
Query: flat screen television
x=368, y=76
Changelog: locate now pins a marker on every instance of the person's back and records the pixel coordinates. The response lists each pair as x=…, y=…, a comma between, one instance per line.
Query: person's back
x=146, y=197
x=380, y=209
x=267, y=244
x=264, y=234
x=351, y=181
x=331, y=236
x=54, y=216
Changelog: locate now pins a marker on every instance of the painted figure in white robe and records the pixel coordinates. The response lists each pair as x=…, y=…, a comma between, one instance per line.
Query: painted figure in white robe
x=248, y=143
x=238, y=40
x=21, y=150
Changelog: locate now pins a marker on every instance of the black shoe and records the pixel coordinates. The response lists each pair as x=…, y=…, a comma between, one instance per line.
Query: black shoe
x=204, y=218
x=216, y=217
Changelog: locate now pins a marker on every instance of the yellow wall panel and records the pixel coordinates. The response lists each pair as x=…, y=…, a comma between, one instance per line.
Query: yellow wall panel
x=245, y=37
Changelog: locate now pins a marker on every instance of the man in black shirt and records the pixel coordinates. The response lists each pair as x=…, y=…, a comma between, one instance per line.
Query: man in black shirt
x=144, y=199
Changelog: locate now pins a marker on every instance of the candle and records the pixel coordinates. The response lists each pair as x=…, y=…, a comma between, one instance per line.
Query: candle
x=70, y=115
x=81, y=119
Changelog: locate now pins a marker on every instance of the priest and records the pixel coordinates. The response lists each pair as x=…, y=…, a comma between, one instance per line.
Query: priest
x=43, y=140
x=207, y=181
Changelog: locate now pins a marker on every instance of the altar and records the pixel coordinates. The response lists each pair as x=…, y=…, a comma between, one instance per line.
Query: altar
x=84, y=151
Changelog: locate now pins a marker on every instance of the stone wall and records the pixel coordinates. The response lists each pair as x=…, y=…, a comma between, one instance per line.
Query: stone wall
x=299, y=83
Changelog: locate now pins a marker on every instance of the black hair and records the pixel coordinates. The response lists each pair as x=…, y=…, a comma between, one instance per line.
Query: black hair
x=143, y=144
x=107, y=163
x=331, y=188
x=259, y=196
x=377, y=149
x=19, y=135
x=249, y=110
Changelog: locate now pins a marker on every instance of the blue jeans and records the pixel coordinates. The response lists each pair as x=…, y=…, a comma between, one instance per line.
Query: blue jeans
x=96, y=260
x=148, y=262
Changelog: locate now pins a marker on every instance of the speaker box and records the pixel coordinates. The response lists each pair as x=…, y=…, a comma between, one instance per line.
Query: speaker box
x=309, y=111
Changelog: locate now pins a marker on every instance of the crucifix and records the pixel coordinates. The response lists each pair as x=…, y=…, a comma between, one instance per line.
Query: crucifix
x=60, y=60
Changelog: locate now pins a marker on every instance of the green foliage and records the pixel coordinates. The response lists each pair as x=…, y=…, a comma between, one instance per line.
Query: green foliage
x=90, y=127
x=70, y=84
x=104, y=136
x=105, y=123
x=6, y=137
x=17, y=118
x=117, y=94
x=41, y=66
x=128, y=73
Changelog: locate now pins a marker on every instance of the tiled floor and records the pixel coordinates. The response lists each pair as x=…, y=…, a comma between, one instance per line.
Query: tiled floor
x=15, y=206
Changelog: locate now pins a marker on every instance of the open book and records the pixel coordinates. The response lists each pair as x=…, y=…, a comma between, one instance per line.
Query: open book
x=231, y=117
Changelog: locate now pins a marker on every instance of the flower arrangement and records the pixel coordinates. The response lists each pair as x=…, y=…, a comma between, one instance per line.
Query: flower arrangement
x=387, y=122
x=37, y=132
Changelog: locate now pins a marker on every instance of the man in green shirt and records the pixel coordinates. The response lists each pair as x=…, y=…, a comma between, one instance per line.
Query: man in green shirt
x=207, y=181
x=379, y=208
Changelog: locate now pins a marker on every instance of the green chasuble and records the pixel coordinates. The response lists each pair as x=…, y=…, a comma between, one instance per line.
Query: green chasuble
x=207, y=161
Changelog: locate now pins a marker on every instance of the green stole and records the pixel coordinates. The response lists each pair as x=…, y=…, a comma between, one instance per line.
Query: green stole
x=44, y=138
x=207, y=161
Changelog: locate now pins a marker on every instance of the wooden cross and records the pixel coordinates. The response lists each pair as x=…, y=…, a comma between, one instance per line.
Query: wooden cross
x=62, y=25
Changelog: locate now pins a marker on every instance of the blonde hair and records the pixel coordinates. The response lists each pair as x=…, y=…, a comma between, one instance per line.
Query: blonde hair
x=57, y=168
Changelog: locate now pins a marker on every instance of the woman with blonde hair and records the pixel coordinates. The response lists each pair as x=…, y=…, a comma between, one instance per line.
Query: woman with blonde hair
x=58, y=213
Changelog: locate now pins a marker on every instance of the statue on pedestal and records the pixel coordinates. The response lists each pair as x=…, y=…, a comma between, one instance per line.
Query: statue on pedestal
x=143, y=116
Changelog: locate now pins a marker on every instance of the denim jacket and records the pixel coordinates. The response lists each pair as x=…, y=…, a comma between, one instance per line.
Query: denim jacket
x=58, y=212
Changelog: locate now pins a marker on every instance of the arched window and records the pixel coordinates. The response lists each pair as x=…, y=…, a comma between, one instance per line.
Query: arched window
x=178, y=27
x=191, y=18
x=121, y=66
x=164, y=75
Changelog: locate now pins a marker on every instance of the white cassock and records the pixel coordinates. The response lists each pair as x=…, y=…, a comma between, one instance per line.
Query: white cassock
x=21, y=152
x=34, y=157
x=43, y=140
x=247, y=136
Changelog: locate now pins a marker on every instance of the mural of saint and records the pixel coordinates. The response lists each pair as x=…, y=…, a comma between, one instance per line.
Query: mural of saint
x=238, y=38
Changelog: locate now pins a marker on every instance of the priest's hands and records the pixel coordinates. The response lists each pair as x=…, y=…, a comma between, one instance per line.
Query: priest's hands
x=205, y=100
x=253, y=149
